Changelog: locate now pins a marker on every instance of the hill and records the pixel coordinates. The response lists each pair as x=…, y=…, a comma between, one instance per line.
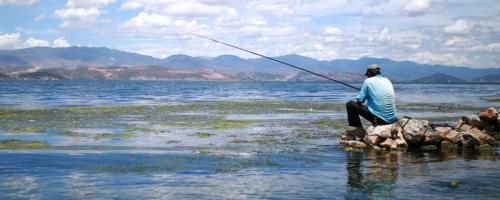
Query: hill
x=15, y=62
x=488, y=78
x=4, y=76
x=439, y=78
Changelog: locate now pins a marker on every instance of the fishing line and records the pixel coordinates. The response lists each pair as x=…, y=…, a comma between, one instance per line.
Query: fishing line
x=273, y=59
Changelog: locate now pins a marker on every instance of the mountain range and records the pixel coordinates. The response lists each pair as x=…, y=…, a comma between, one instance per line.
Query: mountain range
x=105, y=63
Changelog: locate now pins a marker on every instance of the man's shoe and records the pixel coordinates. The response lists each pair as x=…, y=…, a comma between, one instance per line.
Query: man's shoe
x=358, y=132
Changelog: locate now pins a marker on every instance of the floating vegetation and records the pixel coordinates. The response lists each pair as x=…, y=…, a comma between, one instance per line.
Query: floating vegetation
x=139, y=129
x=222, y=124
x=442, y=107
x=329, y=123
x=203, y=135
x=22, y=145
x=266, y=139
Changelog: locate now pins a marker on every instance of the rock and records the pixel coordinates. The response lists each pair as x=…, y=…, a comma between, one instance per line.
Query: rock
x=442, y=130
x=373, y=140
x=432, y=137
x=489, y=117
x=414, y=130
x=452, y=136
x=479, y=135
x=389, y=144
x=376, y=148
x=471, y=120
x=401, y=143
x=347, y=137
x=428, y=148
x=354, y=143
x=383, y=131
x=469, y=140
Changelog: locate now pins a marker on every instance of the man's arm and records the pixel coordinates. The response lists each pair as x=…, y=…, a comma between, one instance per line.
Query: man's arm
x=361, y=98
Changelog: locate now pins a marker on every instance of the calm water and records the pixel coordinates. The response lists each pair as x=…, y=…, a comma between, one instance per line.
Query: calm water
x=172, y=162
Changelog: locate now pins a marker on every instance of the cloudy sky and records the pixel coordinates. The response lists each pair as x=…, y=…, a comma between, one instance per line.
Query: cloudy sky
x=452, y=32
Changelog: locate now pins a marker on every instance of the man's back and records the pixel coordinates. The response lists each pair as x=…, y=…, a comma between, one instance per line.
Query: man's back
x=379, y=94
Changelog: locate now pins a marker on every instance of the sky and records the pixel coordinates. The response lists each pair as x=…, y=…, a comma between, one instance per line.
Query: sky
x=450, y=32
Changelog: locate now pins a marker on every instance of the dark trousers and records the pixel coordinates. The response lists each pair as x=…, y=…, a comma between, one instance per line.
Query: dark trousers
x=354, y=110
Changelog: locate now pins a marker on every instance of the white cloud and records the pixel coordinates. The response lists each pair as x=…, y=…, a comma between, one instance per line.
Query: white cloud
x=331, y=30
x=416, y=7
x=147, y=21
x=18, y=2
x=440, y=58
x=81, y=14
x=194, y=9
x=9, y=41
x=459, y=27
x=492, y=48
x=60, y=42
x=259, y=22
x=33, y=42
x=130, y=5
x=458, y=41
x=278, y=9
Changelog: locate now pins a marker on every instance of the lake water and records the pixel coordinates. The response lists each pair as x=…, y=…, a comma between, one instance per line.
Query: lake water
x=226, y=140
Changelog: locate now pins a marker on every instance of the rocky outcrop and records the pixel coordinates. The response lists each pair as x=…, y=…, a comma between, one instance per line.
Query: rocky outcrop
x=472, y=131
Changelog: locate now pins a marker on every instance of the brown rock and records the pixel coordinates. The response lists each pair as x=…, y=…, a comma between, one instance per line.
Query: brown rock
x=489, y=116
x=354, y=144
x=390, y=144
x=479, y=135
x=469, y=140
x=452, y=136
x=442, y=130
x=401, y=143
x=373, y=140
x=432, y=137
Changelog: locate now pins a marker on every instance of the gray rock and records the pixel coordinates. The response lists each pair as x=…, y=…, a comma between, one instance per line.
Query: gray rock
x=414, y=130
x=442, y=130
x=471, y=120
x=489, y=117
x=354, y=144
x=476, y=134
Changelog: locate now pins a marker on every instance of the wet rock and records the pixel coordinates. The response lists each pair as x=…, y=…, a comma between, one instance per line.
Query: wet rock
x=414, y=130
x=389, y=144
x=347, y=137
x=354, y=144
x=376, y=148
x=383, y=131
x=469, y=140
x=432, y=137
x=401, y=143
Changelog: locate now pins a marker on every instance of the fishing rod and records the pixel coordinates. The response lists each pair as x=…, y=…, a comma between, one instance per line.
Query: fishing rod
x=273, y=59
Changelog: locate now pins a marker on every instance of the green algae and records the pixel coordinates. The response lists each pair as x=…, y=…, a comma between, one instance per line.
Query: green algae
x=428, y=148
x=329, y=123
x=109, y=136
x=265, y=139
x=222, y=124
x=203, y=135
x=484, y=148
x=139, y=129
x=22, y=145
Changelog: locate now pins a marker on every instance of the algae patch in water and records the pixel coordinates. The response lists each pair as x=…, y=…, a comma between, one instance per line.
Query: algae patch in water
x=221, y=124
x=22, y=145
x=203, y=135
x=329, y=123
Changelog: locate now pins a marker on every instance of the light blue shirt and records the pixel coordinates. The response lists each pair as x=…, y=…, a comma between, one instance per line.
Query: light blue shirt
x=379, y=94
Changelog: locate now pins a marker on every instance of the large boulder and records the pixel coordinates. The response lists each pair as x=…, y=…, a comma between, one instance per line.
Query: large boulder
x=414, y=130
x=472, y=135
x=373, y=140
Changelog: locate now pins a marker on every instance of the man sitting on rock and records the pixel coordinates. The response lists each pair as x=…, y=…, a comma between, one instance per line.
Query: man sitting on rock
x=378, y=92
